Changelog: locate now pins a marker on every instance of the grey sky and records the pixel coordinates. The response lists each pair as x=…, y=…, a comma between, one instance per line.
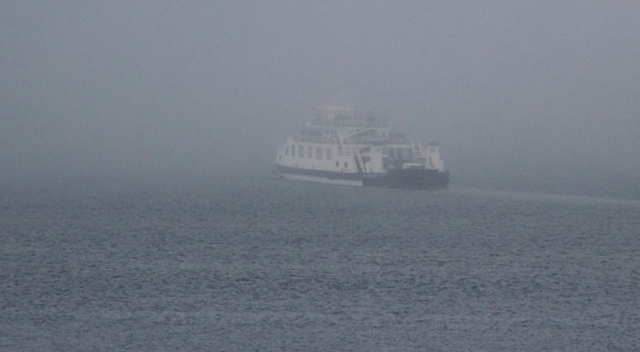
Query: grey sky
x=126, y=87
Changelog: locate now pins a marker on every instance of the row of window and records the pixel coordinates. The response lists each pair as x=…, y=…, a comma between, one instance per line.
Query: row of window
x=300, y=151
x=399, y=153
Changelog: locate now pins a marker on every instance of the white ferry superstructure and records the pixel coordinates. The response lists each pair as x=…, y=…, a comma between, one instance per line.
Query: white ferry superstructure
x=341, y=147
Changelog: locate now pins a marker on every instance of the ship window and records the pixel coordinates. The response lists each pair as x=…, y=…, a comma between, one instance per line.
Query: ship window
x=293, y=150
x=309, y=152
x=286, y=151
x=346, y=164
x=301, y=151
x=319, y=153
x=328, y=153
x=337, y=163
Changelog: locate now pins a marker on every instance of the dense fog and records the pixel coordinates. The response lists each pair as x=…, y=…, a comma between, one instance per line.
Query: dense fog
x=510, y=89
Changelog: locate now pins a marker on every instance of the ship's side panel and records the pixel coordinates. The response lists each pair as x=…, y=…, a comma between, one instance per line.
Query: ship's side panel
x=316, y=162
x=332, y=177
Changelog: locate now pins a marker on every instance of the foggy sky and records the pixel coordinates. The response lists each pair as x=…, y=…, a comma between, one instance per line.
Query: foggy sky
x=121, y=88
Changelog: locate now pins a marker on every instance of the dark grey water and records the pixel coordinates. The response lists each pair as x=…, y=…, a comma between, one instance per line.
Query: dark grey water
x=245, y=264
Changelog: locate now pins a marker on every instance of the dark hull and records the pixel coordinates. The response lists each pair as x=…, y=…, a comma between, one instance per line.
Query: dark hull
x=330, y=175
x=398, y=178
x=409, y=179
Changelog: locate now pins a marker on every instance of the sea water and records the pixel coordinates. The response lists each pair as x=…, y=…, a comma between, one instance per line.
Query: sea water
x=257, y=264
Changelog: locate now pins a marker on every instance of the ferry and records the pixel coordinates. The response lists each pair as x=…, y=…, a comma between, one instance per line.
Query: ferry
x=339, y=146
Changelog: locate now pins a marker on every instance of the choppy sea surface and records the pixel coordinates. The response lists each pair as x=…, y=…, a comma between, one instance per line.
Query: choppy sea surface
x=257, y=264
